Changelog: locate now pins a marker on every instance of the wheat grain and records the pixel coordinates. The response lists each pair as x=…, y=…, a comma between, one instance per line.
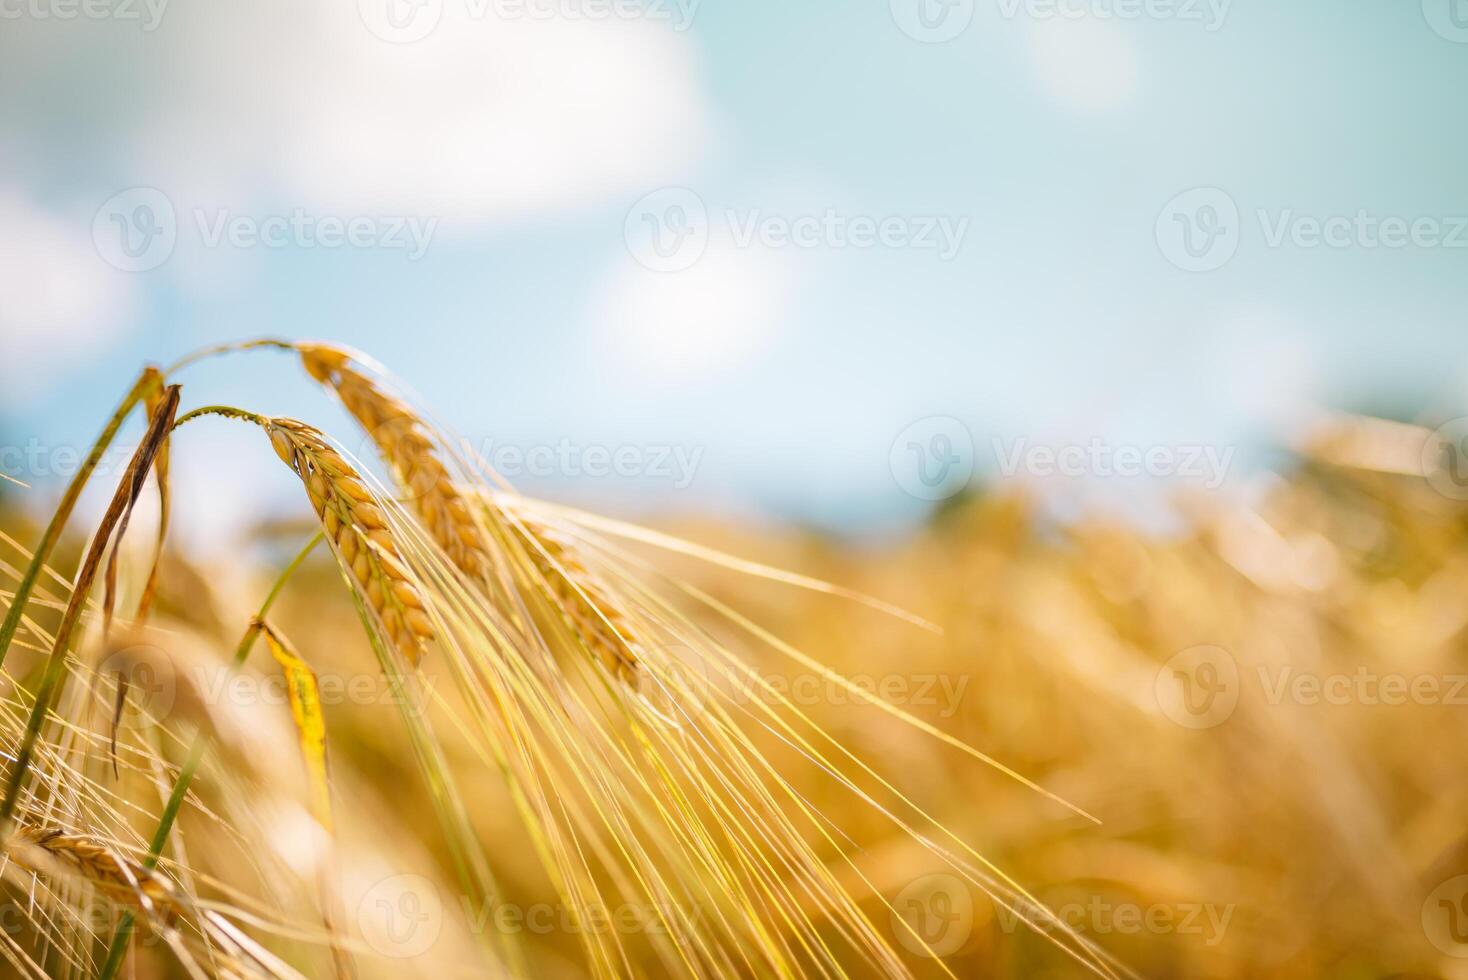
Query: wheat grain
x=358, y=531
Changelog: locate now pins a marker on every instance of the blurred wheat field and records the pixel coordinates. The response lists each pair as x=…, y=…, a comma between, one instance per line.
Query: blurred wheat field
x=1262, y=711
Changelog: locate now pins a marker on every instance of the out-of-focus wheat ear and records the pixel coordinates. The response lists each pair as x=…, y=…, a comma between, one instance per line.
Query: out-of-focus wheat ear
x=406, y=443
x=358, y=532
x=304, y=693
x=53, y=854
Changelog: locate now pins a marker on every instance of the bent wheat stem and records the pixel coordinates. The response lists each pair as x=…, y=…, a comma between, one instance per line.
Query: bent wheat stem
x=127, y=492
x=146, y=382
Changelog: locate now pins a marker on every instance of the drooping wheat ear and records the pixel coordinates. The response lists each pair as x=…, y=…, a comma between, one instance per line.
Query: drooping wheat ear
x=406, y=443
x=408, y=447
x=127, y=882
x=356, y=527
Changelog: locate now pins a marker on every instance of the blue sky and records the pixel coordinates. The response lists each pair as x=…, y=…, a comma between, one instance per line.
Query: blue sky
x=1057, y=142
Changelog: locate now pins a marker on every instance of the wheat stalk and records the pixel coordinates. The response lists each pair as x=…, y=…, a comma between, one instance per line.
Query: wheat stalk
x=357, y=530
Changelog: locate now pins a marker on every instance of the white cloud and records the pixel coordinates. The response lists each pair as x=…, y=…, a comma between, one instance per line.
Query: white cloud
x=1085, y=63
x=710, y=318
x=61, y=302
x=482, y=118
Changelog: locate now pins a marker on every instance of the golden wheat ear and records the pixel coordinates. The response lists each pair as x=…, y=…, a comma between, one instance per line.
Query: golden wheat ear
x=358, y=532
x=51, y=861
